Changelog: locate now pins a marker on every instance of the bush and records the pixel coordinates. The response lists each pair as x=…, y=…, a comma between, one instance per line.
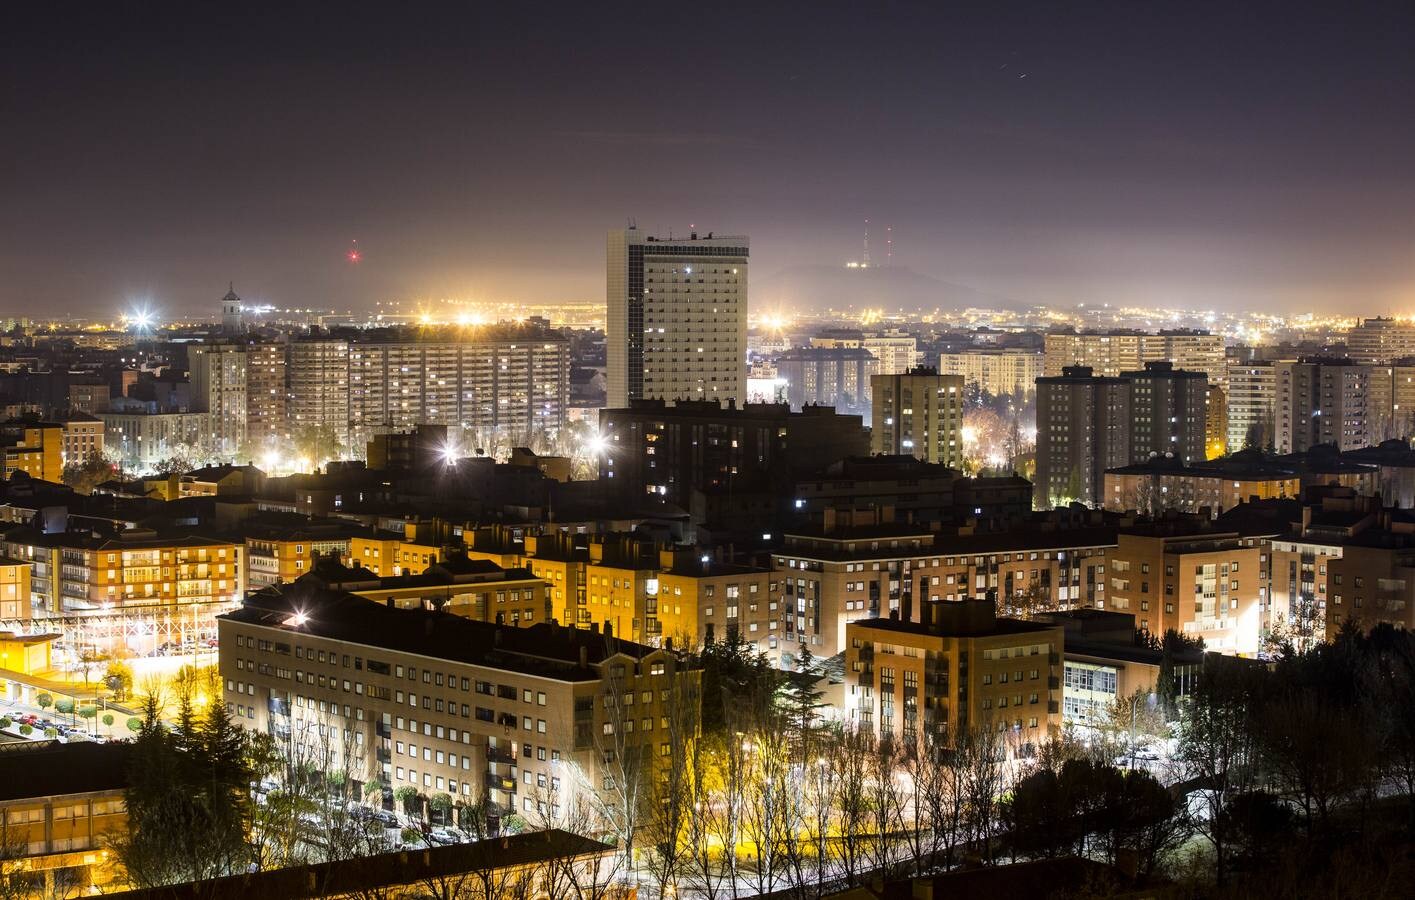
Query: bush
x=5, y=722
x=51, y=733
x=135, y=724
x=26, y=730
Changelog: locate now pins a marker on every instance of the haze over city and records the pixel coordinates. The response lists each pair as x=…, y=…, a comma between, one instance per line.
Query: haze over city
x=1249, y=156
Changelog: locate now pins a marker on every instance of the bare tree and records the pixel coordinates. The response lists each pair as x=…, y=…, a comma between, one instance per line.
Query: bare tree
x=981, y=758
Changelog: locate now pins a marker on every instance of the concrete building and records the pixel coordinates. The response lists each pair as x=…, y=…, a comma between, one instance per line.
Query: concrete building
x=828, y=376
x=676, y=318
x=834, y=575
x=506, y=716
x=961, y=667
x=1164, y=483
x=998, y=372
x=1110, y=353
x=318, y=371
x=1390, y=401
x=1252, y=404
x=129, y=577
x=1169, y=412
x=1381, y=341
x=1185, y=576
x=15, y=603
x=896, y=351
x=1083, y=429
x=34, y=448
x=504, y=381
x=672, y=452
x=919, y=414
x=83, y=437
x=89, y=396
x=142, y=439
x=62, y=806
x=218, y=375
x=267, y=419
x=1321, y=401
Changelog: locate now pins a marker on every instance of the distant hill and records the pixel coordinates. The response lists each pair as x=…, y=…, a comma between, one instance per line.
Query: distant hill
x=893, y=287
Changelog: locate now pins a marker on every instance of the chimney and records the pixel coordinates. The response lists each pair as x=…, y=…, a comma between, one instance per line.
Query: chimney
x=584, y=656
x=608, y=629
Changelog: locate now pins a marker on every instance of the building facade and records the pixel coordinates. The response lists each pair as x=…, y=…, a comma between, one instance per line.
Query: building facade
x=961, y=667
x=1008, y=371
x=919, y=414
x=676, y=324
x=1321, y=401
x=218, y=375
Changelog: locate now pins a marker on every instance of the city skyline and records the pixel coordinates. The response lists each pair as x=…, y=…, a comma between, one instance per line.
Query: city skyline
x=1235, y=161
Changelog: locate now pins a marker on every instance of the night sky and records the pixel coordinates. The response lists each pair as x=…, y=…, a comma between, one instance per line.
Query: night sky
x=1231, y=155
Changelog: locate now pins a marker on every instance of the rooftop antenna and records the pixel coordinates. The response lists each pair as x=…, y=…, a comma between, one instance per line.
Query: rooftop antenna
x=865, y=260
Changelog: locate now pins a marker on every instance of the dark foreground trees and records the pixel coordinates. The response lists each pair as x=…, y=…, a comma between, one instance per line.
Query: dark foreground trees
x=188, y=799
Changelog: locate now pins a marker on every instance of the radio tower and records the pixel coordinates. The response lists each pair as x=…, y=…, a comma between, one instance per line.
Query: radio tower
x=865, y=260
x=888, y=246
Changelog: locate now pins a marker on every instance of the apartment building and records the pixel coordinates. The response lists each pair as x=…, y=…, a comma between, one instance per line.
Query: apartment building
x=512, y=380
x=15, y=603
x=1321, y=401
x=831, y=376
x=1110, y=353
x=62, y=806
x=1380, y=341
x=475, y=588
x=1252, y=404
x=918, y=413
x=995, y=371
x=141, y=439
x=831, y=577
x=1169, y=412
x=701, y=599
x=267, y=417
x=700, y=446
x=1186, y=577
x=219, y=389
x=1083, y=429
x=86, y=572
x=34, y=448
x=1217, y=485
x=281, y=548
x=518, y=718
x=961, y=667
x=318, y=373
x=676, y=323
x=82, y=438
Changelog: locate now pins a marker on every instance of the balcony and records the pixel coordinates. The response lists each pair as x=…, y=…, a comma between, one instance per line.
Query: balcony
x=500, y=755
x=382, y=729
x=383, y=754
x=501, y=782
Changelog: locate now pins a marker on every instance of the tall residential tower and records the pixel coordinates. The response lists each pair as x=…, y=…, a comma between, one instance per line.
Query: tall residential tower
x=676, y=317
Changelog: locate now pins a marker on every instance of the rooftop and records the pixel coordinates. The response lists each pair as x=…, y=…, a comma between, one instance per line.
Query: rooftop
x=49, y=769
x=548, y=649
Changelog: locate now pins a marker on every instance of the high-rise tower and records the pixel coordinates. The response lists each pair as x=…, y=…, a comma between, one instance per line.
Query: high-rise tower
x=676, y=317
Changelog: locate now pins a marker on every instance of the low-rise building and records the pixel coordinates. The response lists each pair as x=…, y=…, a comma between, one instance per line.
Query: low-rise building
x=518, y=718
x=702, y=599
x=474, y=588
x=62, y=806
x=961, y=667
x=14, y=590
x=83, y=438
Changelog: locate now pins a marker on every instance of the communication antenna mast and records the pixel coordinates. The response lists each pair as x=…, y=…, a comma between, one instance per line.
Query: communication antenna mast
x=865, y=260
x=888, y=245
